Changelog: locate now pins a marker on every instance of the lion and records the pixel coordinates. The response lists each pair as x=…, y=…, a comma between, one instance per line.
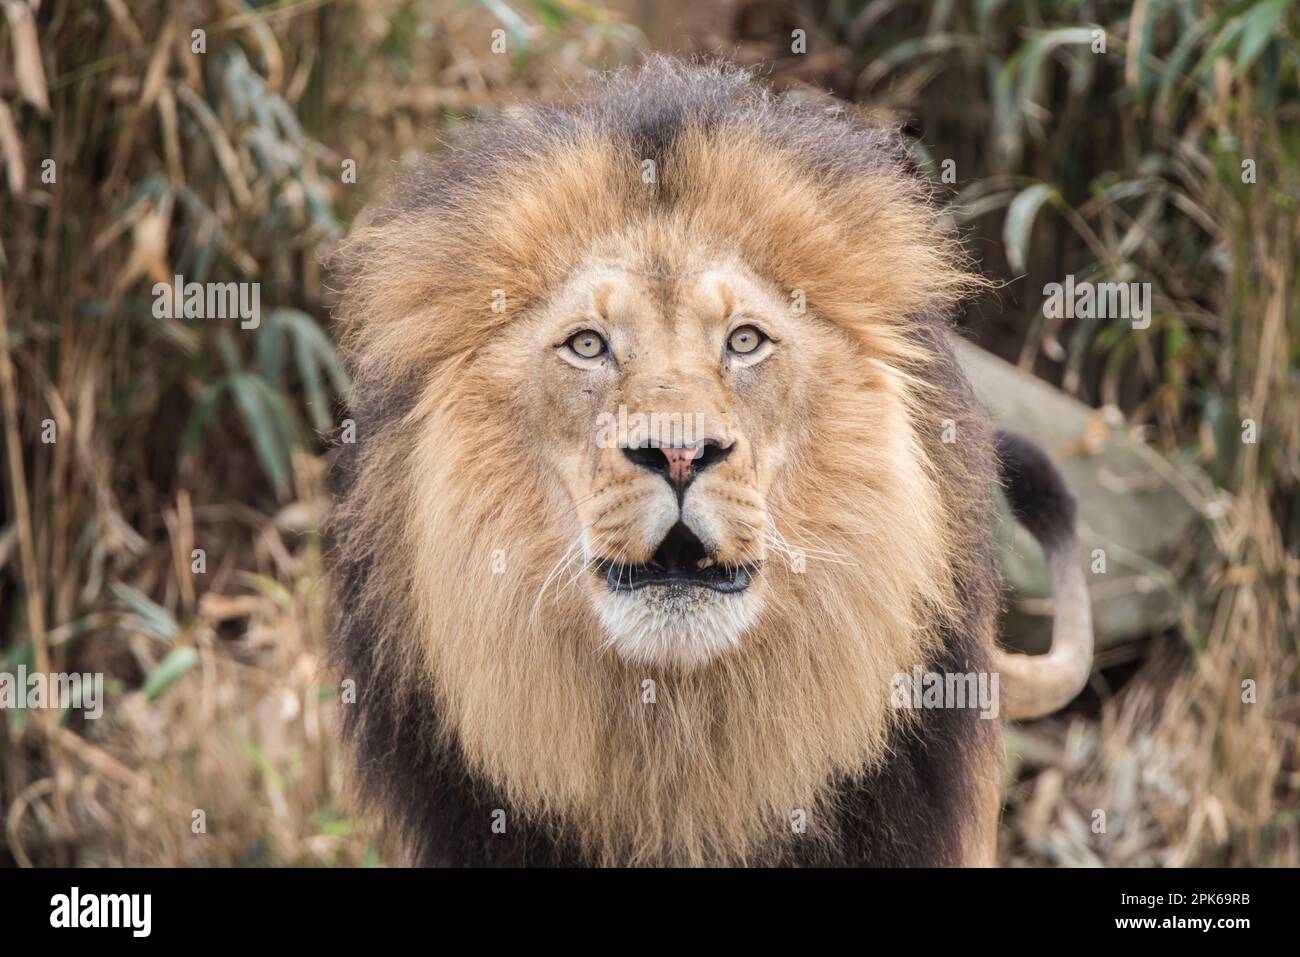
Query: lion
x=664, y=477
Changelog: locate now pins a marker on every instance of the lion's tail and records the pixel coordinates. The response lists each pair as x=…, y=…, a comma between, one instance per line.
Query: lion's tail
x=1035, y=685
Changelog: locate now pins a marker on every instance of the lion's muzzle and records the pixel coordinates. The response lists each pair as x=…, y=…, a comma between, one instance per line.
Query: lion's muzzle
x=680, y=562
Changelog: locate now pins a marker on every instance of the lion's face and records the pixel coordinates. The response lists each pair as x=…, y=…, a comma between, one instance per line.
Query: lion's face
x=671, y=402
x=598, y=442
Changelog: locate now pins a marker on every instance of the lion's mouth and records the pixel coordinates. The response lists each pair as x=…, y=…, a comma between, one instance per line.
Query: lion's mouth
x=680, y=560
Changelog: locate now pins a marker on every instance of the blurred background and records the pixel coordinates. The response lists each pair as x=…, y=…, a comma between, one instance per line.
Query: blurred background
x=133, y=148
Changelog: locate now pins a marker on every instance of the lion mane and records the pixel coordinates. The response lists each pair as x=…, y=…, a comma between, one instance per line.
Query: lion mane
x=488, y=727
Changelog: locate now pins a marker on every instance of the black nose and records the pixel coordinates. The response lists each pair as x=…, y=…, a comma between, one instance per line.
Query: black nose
x=680, y=464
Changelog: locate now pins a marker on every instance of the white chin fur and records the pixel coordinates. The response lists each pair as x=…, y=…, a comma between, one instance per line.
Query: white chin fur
x=663, y=626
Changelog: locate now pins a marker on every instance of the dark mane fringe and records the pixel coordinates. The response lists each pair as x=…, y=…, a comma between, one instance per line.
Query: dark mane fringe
x=645, y=109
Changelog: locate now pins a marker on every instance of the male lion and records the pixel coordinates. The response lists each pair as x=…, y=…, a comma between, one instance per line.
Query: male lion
x=575, y=641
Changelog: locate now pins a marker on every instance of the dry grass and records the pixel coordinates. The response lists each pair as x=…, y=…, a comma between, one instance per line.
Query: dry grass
x=1116, y=167
x=174, y=435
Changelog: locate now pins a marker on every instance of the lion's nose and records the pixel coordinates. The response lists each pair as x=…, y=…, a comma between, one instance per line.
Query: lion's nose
x=680, y=464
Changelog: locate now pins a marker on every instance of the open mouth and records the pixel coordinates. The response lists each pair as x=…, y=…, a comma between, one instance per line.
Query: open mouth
x=680, y=560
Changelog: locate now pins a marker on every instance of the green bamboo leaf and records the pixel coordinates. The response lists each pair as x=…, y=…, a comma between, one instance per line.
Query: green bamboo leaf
x=229, y=354
x=200, y=416
x=314, y=352
x=269, y=772
x=985, y=11
x=1146, y=74
x=1258, y=27
x=1020, y=223
x=145, y=614
x=270, y=587
x=970, y=211
x=171, y=669
x=318, y=404
x=270, y=346
x=552, y=15
x=1227, y=36
x=261, y=419
x=1035, y=55
x=154, y=187
x=951, y=44
x=1270, y=79
x=1007, y=127
x=1177, y=63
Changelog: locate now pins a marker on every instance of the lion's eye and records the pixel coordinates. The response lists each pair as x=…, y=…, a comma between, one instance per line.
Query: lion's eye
x=745, y=339
x=587, y=344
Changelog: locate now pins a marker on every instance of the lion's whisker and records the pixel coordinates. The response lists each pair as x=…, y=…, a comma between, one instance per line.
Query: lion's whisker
x=557, y=570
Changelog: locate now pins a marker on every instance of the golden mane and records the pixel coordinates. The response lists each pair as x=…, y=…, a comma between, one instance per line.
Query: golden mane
x=505, y=672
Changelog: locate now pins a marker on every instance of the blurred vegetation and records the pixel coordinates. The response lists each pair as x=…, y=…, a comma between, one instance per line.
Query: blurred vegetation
x=1172, y=158
x=234, y=164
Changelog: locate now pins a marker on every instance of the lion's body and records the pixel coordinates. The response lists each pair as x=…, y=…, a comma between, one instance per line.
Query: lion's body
x=495, y=724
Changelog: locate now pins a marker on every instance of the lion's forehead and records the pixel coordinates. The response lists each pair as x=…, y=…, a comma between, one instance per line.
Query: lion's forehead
x=663, y=303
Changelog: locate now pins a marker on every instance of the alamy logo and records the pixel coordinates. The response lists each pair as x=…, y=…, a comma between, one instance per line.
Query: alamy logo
x=209, y=300
x=639, y=430
x=950, y=689
x=1104, y=300
x=60, y=690
x=134, y=911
